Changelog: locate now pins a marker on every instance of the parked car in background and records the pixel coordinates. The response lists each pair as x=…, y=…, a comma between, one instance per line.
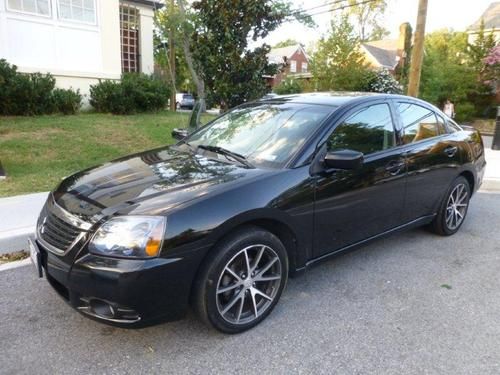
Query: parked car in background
x=184, y=101
x=221, y=219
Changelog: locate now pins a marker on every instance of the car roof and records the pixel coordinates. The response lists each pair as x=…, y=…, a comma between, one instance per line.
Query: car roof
x=334, y=99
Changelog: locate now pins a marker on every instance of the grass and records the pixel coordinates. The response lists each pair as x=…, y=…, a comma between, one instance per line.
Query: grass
x=37, y=152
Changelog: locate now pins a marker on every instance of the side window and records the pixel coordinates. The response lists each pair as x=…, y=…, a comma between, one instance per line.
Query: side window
x=453, y=126
x=369, y=130
x=441, y=125
x=418, y=122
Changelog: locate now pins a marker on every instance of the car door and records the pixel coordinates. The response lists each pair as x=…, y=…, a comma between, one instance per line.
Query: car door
x=352, y=205
x=432, y=157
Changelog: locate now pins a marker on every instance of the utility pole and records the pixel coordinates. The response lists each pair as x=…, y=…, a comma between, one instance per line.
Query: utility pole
x=171, y=48
x=417, y=55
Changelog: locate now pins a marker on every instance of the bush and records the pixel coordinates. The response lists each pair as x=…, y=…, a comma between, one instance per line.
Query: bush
x=382, y=81
x=33, y=94
x=66, y=101
x=24, y=94
x=288, y=86
x=465, y=111
x=134, y=93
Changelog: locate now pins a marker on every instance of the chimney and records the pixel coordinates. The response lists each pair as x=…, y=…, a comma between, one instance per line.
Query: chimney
x=404, y=42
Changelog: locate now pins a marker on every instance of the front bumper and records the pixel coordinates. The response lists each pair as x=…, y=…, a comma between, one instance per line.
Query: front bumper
x=123, y=292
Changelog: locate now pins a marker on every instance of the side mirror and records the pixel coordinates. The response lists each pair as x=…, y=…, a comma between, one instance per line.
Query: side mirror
x=179, y=134
x=344, y=159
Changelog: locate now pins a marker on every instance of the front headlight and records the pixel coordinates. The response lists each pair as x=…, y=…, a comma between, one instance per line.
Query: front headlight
x=129, y=236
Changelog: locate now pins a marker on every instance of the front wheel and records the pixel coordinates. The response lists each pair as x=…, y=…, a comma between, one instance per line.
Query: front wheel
x=453, y=209
x=243, y=281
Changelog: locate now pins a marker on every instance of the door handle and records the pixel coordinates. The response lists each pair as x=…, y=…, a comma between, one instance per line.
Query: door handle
x=451, y=151
x=394, y=167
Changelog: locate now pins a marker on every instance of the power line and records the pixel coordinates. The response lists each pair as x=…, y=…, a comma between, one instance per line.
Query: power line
x=303, y=12
x=319, y=6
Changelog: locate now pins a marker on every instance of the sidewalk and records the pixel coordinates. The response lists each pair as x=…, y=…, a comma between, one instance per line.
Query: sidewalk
x=18, y=217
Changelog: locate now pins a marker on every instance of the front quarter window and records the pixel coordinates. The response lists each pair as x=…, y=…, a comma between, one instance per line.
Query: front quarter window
x=268, y=135
x=368, y=130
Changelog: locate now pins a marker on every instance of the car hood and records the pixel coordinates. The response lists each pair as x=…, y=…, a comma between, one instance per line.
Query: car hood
x=151, y=182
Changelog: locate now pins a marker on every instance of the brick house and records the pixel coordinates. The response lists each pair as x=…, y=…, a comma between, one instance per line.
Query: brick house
x=294, y=62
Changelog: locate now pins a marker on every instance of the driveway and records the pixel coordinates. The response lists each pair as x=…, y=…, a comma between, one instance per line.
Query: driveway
x=412, y=303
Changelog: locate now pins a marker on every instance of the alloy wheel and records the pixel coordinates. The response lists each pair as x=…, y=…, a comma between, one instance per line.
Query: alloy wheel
x=456, y=206
x=248, y=284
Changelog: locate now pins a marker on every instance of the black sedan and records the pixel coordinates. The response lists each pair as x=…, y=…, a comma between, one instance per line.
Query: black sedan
x=221, y=219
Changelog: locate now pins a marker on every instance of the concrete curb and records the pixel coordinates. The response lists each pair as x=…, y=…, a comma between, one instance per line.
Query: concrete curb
x=18, y=215
x=491, y=184
x=15, y=240
x=16, y=264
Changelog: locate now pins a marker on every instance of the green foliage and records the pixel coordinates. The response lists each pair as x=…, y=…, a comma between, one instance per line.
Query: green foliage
x=66, y=101
x=289, y=86
x=451, y=70
x=24, y=94
x=366, y=16
x=382, y=81
x=480, y=48
x=169, y=19
x=338, y=63
x=33, y=94
x=286, y=43
x=465, y=111
x=134, y=93
x=222, y=29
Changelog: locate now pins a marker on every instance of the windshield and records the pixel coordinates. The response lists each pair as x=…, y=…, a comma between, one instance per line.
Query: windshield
x=267, y=135
x=187, y=96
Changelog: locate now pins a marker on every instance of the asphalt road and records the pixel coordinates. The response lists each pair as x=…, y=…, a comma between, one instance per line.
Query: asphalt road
x=412, y=303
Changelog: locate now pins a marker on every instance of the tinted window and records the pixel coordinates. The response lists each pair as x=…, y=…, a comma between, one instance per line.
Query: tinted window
x=453, y=126
x=369, y=130
x=441, y=125
x=418, y=122
x=266, y=134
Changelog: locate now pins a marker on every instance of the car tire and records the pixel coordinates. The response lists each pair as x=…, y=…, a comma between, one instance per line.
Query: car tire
x=453, y=208
x=225, y=296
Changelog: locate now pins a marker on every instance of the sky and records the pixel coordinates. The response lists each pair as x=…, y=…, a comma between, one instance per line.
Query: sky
x=455, y=14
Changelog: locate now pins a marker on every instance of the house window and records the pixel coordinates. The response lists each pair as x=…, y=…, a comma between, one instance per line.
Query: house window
x=293, y=66
x=129, y=34
x=304, y=67
x=77, y=10
x=39, y=7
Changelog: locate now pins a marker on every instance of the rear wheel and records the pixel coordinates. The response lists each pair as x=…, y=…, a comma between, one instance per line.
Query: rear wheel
x=243, y=281
x=453, y=209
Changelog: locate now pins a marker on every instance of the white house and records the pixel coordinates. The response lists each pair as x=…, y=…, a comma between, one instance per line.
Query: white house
x=78, y=41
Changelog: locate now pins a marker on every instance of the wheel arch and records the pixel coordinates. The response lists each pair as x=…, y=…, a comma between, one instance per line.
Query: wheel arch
x=469, y=176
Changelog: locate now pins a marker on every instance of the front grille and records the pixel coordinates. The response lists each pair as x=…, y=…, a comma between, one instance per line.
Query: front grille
x=57, y=232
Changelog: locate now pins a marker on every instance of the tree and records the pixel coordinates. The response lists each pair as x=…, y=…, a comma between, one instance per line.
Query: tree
x=445, y=72
x=286, y=43
x=289, y=86
x=366, y=16
x=338, y=64
x=480, y=48
x=222, y=29
x=382, y=81
x=181, y=22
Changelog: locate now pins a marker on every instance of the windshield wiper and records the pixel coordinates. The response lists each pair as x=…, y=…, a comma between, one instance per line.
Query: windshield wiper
x=227, y=153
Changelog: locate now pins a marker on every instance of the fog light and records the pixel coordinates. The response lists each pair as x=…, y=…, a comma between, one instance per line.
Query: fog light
x=102, y=308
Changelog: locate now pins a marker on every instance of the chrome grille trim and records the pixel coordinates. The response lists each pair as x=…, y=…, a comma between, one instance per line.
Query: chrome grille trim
x=58, y=230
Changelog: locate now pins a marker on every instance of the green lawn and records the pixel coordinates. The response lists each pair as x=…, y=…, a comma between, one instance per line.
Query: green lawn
x=37, y=152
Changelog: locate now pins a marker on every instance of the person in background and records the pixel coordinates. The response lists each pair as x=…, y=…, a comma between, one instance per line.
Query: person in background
x=449, y=109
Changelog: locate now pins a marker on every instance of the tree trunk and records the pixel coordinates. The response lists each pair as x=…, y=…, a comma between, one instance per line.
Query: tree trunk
x=186, y=46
